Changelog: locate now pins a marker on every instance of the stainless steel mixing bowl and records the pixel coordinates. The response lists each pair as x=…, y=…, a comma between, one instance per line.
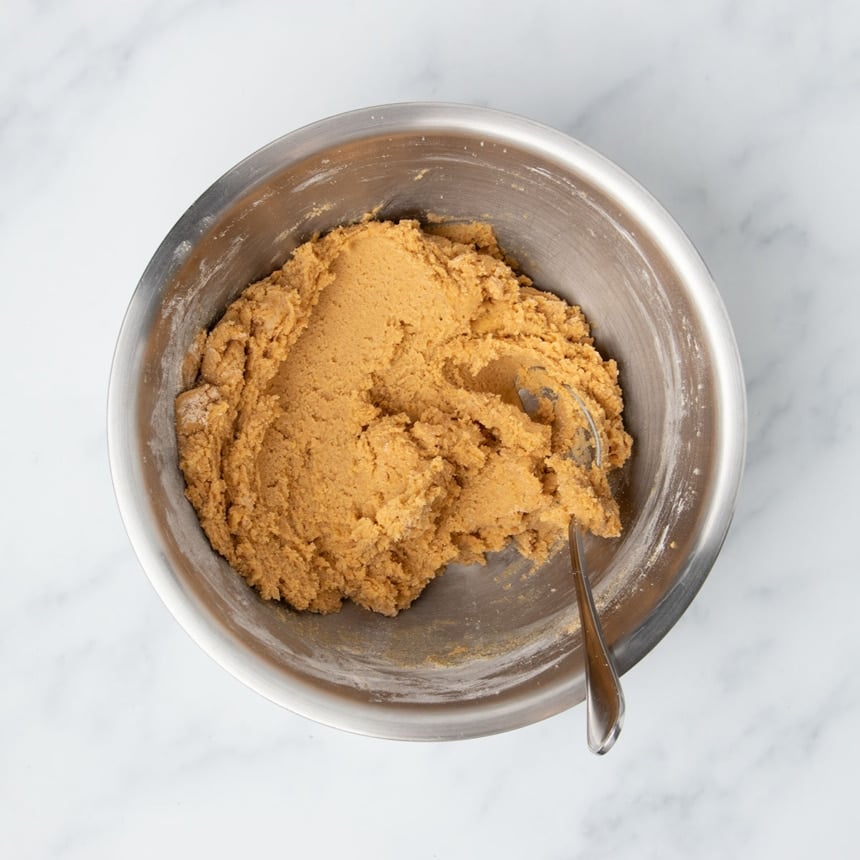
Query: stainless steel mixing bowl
x=484, y=649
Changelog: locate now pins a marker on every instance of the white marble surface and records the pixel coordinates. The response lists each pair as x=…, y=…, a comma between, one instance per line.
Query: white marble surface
x=120, y=738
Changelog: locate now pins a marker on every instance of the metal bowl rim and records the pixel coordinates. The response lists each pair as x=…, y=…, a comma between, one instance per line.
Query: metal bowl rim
x=207, y=630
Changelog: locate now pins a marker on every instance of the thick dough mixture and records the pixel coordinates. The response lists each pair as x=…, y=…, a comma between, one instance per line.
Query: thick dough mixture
x=355, y=426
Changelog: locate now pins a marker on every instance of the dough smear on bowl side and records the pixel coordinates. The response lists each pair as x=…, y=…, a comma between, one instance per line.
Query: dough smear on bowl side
x=354, y=424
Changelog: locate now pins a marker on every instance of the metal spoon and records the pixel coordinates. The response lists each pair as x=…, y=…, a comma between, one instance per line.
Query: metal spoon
x=603, y=694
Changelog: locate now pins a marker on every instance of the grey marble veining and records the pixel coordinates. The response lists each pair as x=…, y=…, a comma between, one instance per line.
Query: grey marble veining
x=121, y=738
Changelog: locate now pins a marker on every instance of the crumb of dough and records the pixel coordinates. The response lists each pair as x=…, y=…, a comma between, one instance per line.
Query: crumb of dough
x=354, y=424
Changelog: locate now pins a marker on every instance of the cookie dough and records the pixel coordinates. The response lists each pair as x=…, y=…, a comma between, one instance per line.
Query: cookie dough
x=355, y=426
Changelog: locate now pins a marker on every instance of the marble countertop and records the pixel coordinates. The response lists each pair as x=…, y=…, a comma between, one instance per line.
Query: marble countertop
x=121, y=738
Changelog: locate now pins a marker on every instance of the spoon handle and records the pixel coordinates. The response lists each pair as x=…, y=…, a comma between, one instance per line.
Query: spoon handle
x=604, y=697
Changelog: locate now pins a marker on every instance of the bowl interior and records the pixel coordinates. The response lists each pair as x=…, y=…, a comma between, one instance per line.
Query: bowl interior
x=485, y=648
